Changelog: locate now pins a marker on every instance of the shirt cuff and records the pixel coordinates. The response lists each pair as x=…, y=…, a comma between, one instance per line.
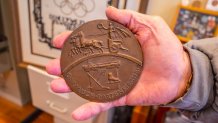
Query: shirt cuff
x=201, y=85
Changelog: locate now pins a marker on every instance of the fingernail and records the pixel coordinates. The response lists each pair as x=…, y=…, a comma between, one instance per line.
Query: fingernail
x=111, y=7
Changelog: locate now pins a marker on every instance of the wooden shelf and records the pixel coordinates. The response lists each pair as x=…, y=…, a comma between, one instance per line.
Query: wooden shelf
x=183, y=39
x=25, y=64
x=194, y=9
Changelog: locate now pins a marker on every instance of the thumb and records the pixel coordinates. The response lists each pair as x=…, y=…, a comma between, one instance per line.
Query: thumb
x=131, y=19
x=140, y=24
x=121, y=16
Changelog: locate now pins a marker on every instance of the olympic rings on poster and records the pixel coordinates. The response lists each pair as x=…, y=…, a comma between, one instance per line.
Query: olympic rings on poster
x=79, y=7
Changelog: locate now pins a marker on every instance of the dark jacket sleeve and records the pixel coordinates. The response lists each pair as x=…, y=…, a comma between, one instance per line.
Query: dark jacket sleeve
x=201, y=100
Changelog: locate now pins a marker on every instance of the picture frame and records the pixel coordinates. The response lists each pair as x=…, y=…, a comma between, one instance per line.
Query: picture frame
x=135, y=5
x=212, y=5
x=194, y=3
x=41, y=20
x=185, y=2
x=198, y=3
x=193, y=23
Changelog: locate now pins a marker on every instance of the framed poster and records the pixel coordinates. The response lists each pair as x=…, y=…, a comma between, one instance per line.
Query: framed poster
x=41, y=20
x=193, y=23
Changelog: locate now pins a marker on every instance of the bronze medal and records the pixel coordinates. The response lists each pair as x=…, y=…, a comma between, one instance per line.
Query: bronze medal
x=101, y=61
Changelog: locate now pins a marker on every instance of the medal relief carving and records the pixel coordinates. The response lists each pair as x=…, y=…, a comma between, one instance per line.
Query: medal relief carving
x=104, y=59
x=80, y=44
x=115, y=36
x=103, y=76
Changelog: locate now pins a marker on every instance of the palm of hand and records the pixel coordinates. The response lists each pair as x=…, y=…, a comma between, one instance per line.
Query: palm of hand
x=163, y=53
x=161, y=75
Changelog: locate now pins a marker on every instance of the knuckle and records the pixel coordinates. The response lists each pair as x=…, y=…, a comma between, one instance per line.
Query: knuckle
x=157, y=19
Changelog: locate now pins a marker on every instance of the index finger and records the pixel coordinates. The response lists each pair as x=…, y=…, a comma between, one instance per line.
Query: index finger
x=59, y=40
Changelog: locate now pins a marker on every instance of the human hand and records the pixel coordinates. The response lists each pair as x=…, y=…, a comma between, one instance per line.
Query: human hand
x=166, y=66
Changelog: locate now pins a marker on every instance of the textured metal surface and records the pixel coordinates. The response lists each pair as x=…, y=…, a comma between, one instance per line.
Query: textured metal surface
x=101, y=61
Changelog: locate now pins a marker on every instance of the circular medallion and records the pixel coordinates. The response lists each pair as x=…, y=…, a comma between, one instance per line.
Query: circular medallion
x=101, y=61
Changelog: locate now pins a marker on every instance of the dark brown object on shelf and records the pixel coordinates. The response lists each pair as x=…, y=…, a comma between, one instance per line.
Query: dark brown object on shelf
x=101, y=61
x=140, y=114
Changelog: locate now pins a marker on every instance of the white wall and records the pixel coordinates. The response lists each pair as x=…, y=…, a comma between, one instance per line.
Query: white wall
x=164, y=8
